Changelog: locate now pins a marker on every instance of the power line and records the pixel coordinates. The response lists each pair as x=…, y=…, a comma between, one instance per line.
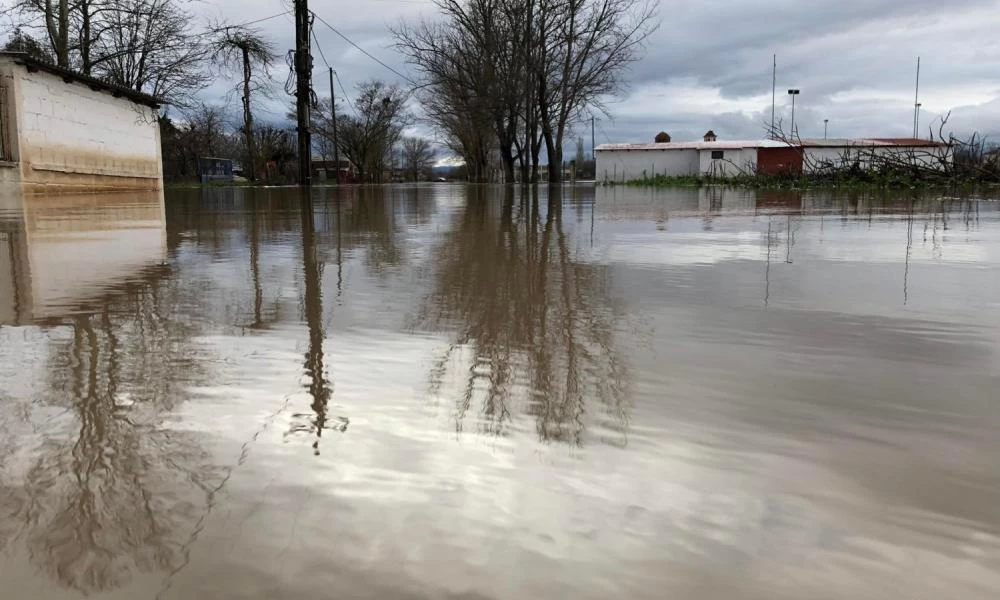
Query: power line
x=343, y=91
x=362, y=50
x=320, y=48
x=254, y=22
x=327, y=63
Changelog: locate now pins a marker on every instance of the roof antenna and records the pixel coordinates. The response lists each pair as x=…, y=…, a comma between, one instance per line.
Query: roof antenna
x=774, y=82
x=916, y=103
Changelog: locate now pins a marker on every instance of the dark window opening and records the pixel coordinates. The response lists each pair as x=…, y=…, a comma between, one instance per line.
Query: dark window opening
x=717, y=154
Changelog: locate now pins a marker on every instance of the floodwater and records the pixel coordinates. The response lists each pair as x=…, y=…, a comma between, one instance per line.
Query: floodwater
x=465, y=392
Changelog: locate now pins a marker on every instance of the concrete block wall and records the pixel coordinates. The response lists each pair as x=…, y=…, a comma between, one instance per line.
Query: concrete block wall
x=71, y=135
x=628, y=165
x=820, y=158
x=733, y=162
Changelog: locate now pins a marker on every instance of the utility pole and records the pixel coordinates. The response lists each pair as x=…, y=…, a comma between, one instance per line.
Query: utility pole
x=916, y=101
x=825, y=122
x=303, y=89
x=774, y=83
x=333, y=111
x=593, y=147
x=793, y=94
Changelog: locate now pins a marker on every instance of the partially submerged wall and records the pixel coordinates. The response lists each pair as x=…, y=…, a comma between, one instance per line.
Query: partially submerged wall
x=727, y=162
x=867, y=157
x=628, y=165
x=76, y=137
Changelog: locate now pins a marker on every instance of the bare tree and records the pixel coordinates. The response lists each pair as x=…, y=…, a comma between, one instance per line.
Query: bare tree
x=149, y=46
x=201, y=131
x=23, y=42
x=474, y=66
x=277, y=149
x=57, y=26
x=594, y=43
x=525, y=69
x=418, y=155
x=367, y=137
x=55, y=22
x=243, y=50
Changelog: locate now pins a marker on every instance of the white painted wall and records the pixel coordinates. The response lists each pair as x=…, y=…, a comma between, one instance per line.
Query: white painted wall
x=816, y=159
x=69, y=128
x=627, y=165
x=733, y=162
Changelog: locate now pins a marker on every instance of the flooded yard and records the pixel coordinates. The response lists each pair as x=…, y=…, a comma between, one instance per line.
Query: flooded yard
x=452, y=391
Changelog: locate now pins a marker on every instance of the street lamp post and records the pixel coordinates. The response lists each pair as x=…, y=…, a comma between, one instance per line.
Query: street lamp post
x=793, y=94
x=825, y=122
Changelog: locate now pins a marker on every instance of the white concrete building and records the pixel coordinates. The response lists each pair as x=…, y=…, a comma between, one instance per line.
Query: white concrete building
x=63, y=131
x=725, y=158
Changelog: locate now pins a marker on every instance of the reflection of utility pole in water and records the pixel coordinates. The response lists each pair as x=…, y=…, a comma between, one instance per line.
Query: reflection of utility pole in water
x=767, y=269
x=789, y=239
x=909, y=247
x=340, y=260
x=258, y=292
x=319, y=388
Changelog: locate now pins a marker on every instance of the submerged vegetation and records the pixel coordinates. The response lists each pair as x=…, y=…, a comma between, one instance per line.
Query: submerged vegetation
x=887, y=180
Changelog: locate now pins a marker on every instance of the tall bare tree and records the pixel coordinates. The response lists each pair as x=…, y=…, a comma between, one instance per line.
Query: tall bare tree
x=418, y=155
x=149, y=46
x=367, y=137
x=247, y=51
x=55, y=21
x=524, y=69
x=594, y=43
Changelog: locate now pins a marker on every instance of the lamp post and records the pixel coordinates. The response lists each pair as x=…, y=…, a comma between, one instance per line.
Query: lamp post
x=793, y=94
x=825, y=122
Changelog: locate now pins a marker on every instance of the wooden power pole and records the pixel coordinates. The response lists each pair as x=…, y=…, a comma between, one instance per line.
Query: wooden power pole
x=333, y=114
x=303, y=89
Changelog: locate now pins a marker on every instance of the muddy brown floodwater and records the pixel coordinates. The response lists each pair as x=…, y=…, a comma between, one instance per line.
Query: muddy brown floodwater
x=468, y=392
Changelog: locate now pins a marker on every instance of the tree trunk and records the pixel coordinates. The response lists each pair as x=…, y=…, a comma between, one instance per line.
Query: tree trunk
x=57, y=26
x=248, y=119
x=508, y=164
x=85, y=37
x=555, y=157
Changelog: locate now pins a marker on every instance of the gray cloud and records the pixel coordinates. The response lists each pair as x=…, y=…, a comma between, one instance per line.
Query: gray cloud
x=709, y=63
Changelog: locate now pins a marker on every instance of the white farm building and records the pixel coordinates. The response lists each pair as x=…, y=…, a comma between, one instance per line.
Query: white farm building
x=721, y=158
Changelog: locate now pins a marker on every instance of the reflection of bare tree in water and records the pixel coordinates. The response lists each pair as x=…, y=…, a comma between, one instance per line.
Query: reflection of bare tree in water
x=539, y=325
x=370, y=219
x=114, y=492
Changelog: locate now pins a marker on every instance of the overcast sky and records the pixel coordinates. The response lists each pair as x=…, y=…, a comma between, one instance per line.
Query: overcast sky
x=709, y=64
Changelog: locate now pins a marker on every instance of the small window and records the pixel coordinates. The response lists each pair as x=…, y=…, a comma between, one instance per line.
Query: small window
x=717, y=154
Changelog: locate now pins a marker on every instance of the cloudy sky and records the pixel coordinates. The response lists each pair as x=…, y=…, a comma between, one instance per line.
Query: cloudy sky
x=709, y=63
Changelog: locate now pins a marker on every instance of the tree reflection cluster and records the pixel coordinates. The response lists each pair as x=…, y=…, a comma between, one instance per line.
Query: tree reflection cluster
x=107, y=492
x=535, y=325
